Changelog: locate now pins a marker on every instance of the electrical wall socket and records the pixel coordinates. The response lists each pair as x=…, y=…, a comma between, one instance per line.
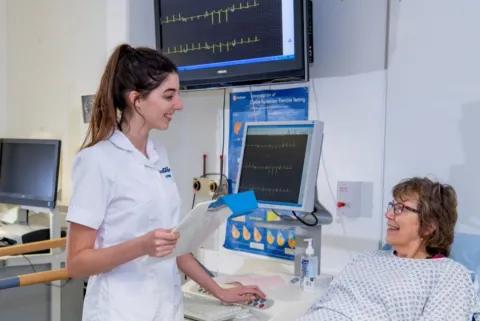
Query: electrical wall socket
x=354, y=199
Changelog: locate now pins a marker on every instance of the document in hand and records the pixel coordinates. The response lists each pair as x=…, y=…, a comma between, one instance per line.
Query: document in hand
x=207, y=217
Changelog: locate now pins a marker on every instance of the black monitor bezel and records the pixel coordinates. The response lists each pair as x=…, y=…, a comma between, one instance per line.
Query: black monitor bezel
x=211, y=80
x=11, y=199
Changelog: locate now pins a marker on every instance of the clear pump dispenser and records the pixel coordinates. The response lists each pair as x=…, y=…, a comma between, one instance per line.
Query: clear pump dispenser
x=309, y=268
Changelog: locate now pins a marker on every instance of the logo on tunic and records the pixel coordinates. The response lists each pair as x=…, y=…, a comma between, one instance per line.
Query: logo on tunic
x=166, y=171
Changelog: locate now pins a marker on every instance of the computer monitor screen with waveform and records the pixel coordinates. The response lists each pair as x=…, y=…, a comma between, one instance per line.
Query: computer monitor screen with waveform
x=29, y=170
x=219, y=43
x=279, y=162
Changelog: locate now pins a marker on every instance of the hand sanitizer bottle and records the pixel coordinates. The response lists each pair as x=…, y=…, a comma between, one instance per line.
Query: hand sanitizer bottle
x=309, y=268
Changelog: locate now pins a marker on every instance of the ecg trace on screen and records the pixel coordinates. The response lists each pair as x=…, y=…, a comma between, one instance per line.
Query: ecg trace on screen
x=272, y=146
x=270, y=169
x=202, y=32
x=273, y=166
x=265, y=190
x=213, y=47
x=215, y=15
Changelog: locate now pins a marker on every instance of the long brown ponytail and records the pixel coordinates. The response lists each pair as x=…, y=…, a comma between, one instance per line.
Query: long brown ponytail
x=128, y=69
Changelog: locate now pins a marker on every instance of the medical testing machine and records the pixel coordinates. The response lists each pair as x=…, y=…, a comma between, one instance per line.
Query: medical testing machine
x=279, y=162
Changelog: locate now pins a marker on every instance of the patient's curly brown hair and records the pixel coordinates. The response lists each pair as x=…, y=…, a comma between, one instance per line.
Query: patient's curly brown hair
x=437, y=204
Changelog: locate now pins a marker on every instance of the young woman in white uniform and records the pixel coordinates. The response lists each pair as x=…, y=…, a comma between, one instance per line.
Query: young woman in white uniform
x=125, y=201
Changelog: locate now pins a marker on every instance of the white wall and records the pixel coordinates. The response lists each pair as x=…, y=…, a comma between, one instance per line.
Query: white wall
x=3, y=67
x=55, y=55
x=434, y=99
x=57, y=51
x=3, y=77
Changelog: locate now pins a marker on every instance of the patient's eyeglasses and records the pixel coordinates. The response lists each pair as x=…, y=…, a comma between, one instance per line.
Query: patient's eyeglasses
x=398, y=208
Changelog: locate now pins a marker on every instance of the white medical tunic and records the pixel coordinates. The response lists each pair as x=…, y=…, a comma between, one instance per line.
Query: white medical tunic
x=123, y=195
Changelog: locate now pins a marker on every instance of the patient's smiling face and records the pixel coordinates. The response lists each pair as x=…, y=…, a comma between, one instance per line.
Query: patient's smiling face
x=421, y=218
x=403, y=227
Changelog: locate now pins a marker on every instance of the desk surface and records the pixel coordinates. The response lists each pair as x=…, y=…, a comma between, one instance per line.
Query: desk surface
x=290, y=301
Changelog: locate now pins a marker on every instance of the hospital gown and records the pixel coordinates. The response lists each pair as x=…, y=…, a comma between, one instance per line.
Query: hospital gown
x=380, y=286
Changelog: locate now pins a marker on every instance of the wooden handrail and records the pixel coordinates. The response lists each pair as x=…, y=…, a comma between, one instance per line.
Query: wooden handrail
x=33, y=278
x=33, y=247
x=43, y=277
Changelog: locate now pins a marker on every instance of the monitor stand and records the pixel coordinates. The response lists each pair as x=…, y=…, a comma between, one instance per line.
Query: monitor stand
x=312, y=229
x=55, y=258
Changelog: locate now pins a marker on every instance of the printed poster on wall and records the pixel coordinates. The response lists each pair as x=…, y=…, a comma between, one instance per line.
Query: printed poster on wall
x=265, y=105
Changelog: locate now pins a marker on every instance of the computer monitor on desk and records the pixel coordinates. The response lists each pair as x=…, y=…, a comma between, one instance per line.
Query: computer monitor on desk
x=29, y=172
x=280, y=162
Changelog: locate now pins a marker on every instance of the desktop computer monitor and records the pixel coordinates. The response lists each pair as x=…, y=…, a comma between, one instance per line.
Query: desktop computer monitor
x=29, y=170
x=279, y=162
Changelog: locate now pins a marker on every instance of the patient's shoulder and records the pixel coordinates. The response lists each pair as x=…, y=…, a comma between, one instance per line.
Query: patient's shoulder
x=451, y=267
x=375, y=253
x=363, y=256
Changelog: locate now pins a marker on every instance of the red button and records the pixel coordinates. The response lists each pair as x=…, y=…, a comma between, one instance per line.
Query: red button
x=340, y=204
x=261, y=306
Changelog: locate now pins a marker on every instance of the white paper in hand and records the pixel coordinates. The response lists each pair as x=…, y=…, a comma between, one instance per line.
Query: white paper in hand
x=198, y=226
x=205, y=218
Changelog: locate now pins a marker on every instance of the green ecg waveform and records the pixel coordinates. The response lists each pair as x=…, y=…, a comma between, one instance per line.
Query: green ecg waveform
x=265, y=190
x=214, y=47
x=215, y=15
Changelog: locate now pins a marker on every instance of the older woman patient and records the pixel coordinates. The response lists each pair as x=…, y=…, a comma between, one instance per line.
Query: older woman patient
x=415, y=280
